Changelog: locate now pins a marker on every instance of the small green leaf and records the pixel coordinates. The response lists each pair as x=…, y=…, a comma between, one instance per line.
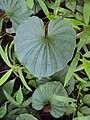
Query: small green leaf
x=86, y=12
x=9, y=86
x=23, y=79
x=5, y=57
x=71, y=4
x=3, y=110
x=56, y=6
x=63, y=98
x=86, y=99
x=79, y=78
x=86, y=64
x=26, y=117
x=82, y=118
x=19, y=96
x=72, y=68
x=4, y=78
x=10, y=99
x=30, y=3
x=85, y=110
x=44, y=7
x=85, y=37
x=87, y=54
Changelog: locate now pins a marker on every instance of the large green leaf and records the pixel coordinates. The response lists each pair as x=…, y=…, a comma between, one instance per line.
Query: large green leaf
x=26, y=117
x=43, y=95
x=44, y=54
x=16, y=10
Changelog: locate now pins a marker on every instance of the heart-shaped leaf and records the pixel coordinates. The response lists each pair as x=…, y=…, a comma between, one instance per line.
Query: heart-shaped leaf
x=16, y=10
x=42, y=50
x=43, y=95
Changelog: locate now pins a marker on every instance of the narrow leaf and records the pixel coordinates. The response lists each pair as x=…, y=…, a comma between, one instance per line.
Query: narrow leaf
x=79, y=78
x=23, y=79
x=27, y=102
x=72, y=68
x=10, y=99
x=4, y=78
x=44, y=8
x=63, y=98
x=19, y=96
x=30, y=3
x=4, y=57
x=56, y=6
x=84, y=38
x=3, y=110
x=86, y=64
x=86, y=11
x=87, y=54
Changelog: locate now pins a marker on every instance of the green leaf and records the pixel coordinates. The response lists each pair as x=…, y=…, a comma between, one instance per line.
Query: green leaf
x=56, y=6
x=16, y=10
x=87, y=54
x=86, y=12
x=71, y=4
x=63, y=98
x=5, y=57
x=60, y=76
x=72, y=68
x=82, y=118
x=43, y=95
x=30, y=3
x=86, y=99
x=85, y=110
x=85, y=37
x=3, y=110
x=9, y=86
x=26, y=117
x=44, y=54
x=23, y=79
x=27, y=102
x=10, y=99
x=19, y=96
x=4, y=78
x=79, y=78
x=86, y=64
x=44, y=7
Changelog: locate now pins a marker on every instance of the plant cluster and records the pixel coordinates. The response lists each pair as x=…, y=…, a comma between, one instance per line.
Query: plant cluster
x=44, y=59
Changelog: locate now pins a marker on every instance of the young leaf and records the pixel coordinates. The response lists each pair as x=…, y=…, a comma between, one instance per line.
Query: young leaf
x=4, y=78
x=79, y=78
x=56, y=6
x=4, y=57
x=72, y=68
x=9, y=86
x=87, y=54
x=63, y=98
x=26, y=117
x=3, y=110
x=19, y=96
x=44, y=7
x=86, y=12
x=10, y=99
x=43, y=95
x=42, y=54
x=30, y=3
x=86, y=64
x=23, y=79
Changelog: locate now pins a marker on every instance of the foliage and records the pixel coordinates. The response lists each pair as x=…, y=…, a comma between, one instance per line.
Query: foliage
x=44, y=59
